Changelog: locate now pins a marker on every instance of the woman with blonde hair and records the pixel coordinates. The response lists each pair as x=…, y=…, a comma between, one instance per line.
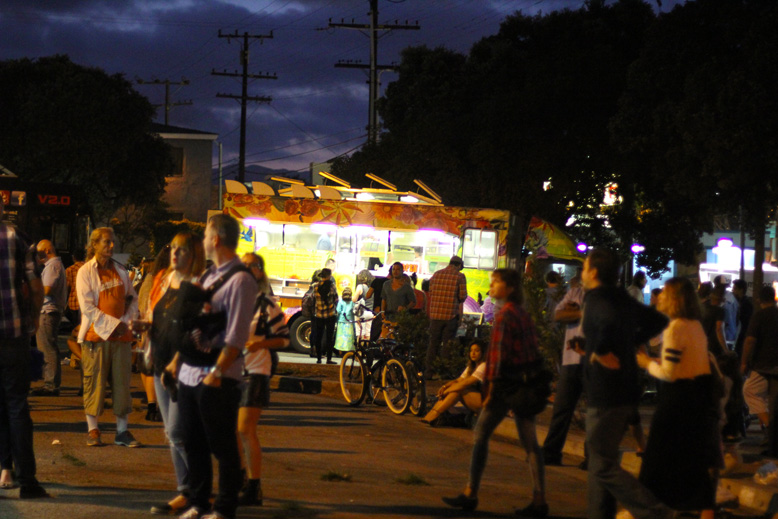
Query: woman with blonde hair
x=268, y=332
x=683, y=450
x=187, y=262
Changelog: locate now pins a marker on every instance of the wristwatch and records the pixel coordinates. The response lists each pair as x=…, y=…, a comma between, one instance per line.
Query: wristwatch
x=217, y=372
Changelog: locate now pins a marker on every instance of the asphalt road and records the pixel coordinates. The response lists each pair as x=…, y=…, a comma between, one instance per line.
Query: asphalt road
x=322, y=459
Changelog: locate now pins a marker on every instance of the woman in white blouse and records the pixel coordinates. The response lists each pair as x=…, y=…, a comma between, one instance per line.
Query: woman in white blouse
x=683, y=450
x=465, y=389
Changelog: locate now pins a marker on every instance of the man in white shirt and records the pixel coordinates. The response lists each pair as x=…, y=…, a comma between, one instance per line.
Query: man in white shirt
x=55, y=292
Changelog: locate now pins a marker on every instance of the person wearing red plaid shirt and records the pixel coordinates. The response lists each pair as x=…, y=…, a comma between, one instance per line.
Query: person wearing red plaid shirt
x=448, y=290
x=514, y=347
x=21, y=297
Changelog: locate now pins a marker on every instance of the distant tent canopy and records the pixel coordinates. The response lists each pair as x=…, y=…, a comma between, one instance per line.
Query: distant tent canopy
x=546, y=240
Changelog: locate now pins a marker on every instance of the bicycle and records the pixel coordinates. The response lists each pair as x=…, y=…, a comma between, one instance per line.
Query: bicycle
x=383, y=368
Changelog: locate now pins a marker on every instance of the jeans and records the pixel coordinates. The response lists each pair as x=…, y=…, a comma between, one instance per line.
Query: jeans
x=15, y=421
x=324, y=339
x=46, y=338
x=209, y=416
x=174, y=431
x=441, y=331
x=608, y=482
x=568, y=390
x=488, y=420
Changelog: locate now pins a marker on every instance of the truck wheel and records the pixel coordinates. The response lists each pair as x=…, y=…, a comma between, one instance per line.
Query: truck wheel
x=300, y=335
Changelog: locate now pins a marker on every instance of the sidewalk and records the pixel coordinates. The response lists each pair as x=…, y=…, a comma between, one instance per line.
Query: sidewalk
x=742, y=459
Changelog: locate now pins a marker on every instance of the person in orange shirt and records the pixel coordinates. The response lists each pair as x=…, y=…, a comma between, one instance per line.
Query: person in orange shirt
x=108, y=304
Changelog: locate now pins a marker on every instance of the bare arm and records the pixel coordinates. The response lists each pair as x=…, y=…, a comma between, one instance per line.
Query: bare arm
x=748, y=350
x=36, y=287
x=226, y=357
x=720, y=334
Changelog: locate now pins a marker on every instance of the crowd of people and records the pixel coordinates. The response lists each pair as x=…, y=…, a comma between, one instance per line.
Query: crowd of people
x=207, y=335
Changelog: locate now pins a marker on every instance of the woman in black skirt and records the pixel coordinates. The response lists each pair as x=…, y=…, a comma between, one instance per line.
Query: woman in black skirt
x=684, y=448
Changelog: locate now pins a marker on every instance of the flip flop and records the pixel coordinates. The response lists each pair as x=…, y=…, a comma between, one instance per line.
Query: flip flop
x=8, y=485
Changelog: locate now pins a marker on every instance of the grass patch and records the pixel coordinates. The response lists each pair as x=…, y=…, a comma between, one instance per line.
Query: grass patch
x=73, y=460
x=413, y=480
x=336, y=476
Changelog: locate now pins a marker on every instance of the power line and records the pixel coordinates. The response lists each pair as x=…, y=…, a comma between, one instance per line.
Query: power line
x=244, y=97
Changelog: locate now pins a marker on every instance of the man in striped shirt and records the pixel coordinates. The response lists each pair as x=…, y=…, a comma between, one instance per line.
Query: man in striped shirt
x=448, y=290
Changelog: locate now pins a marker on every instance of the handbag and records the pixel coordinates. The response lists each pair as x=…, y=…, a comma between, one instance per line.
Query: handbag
x=527, y=391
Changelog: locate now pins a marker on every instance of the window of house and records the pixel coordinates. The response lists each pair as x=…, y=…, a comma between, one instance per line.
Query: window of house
x=177, y=154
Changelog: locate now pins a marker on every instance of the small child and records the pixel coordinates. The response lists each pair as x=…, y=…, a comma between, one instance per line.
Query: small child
x=344, y=336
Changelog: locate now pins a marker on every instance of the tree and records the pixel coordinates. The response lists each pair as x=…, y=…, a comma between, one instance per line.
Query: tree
x=528, y=106
x=62, y=122
x=697, y=126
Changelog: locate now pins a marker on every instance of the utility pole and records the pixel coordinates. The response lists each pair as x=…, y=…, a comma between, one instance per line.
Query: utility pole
x=373, y=67
x=244, y=98
x=168, y=105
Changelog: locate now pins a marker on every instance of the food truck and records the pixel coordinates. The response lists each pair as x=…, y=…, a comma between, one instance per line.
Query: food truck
x=301, y=229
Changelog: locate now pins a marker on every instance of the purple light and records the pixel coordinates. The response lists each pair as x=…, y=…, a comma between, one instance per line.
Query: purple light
x=725, y=243
x=581, y=247
x=637, y=248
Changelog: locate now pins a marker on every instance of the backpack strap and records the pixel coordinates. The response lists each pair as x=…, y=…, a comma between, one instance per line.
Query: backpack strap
x=211, y=290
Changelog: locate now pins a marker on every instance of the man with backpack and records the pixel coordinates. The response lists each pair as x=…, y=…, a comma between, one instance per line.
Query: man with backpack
x=211, y=372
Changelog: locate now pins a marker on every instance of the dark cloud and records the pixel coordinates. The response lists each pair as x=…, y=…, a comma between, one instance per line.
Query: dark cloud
x=318, y=110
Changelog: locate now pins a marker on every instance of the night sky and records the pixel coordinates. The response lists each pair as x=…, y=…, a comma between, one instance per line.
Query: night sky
x=318, y=111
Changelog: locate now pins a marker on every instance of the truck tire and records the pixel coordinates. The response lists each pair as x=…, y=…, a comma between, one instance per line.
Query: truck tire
x=300, y=335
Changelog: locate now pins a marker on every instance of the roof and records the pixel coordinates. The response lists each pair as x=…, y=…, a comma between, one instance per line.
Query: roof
x=177, y=132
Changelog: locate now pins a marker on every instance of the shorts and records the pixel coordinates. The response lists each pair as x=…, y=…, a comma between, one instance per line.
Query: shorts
x=256, y=391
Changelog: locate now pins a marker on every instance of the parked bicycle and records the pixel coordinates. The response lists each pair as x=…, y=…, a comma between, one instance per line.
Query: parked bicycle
x=383, y=370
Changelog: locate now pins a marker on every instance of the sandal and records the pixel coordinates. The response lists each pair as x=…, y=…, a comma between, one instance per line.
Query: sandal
x=10, y=483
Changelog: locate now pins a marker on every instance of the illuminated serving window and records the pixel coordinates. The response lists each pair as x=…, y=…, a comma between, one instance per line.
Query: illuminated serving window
x=423, y=251
x=480, y=249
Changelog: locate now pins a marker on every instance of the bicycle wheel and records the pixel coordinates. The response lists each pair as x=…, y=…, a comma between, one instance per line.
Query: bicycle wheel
x=396, y=386
x=375, y=392
x=353, y=378
x=418, y=388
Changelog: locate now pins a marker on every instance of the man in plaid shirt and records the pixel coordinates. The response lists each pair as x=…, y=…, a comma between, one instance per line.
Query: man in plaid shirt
x=448, y=290
x=21, y=296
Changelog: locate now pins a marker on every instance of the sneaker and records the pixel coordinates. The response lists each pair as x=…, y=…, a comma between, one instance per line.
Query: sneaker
x=166, y=509
x=33, y=492
x=462, y=501
x=126, y=439
x=93, y=439
x=43, y=391
x=192, y=513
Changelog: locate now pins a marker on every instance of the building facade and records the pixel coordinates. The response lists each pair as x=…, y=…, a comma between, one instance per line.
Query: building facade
x=188, y=191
